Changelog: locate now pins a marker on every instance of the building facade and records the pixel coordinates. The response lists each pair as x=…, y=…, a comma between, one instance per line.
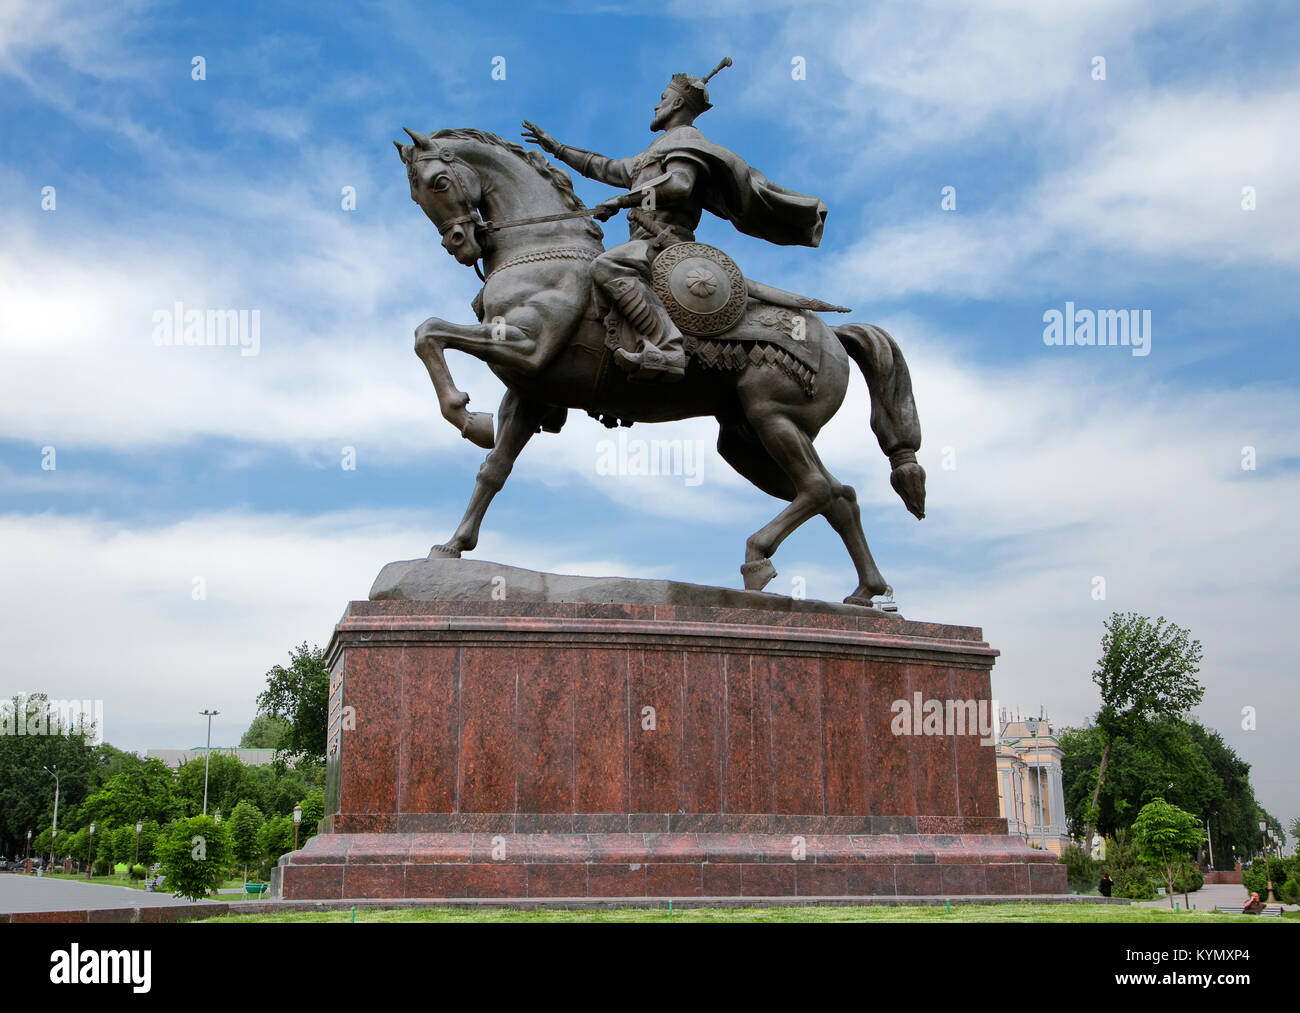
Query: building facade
x=1030, y=786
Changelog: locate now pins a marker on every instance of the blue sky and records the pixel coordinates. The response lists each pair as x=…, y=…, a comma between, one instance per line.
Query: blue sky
x=1064, y=463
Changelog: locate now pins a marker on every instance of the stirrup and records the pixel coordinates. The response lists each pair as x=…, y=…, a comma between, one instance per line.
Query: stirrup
x=651, y=364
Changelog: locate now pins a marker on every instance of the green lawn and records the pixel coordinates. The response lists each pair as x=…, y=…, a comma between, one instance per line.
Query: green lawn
x=875, y=913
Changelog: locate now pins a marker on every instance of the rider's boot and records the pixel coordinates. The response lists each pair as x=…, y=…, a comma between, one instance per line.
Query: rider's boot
x=663, y=353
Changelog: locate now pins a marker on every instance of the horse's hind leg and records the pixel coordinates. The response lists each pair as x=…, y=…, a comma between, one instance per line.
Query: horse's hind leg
x=752, y=460
x=844, y=517
x=813, y=489
x=520, y=419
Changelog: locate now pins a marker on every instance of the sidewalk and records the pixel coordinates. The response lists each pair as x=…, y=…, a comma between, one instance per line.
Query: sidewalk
x=1208, y=897
x=39, y=894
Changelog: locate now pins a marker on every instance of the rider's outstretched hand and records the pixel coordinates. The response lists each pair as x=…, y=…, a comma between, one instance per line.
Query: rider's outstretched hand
x=532, y=132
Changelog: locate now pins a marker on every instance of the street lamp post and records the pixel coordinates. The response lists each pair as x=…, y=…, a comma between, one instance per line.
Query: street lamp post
x=28, y=857
x=1268, y=870
x=89, y=844
x=297, y=819
x=54, y=832
x=138, y=828
x=207, y=756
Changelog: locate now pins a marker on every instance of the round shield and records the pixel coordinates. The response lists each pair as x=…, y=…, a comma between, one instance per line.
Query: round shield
x=701, y=288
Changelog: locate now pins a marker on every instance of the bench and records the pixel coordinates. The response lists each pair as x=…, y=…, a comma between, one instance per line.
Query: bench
x=255, y=889
x=152, y=885
x=1268, y=912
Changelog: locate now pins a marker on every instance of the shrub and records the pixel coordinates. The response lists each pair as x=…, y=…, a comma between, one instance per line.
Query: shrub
x=103, y=866
x=1081, y=870
x=138, y=872
x=1189, y=880
x=1255, y=879
x=1135, y=884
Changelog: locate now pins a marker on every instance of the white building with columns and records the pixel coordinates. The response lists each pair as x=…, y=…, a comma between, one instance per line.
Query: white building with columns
x=1030, y=787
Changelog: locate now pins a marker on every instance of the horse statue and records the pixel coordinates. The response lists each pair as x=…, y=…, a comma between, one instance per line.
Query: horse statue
x=772, y=379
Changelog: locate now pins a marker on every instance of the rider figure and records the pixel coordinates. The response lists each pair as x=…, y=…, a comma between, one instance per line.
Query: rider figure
x=671, y=183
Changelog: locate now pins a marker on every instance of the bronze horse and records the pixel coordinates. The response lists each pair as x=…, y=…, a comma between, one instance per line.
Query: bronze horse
x=544, y=338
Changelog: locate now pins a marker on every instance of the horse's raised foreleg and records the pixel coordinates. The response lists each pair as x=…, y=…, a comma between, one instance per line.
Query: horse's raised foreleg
x=520, y=418
x=474, y=426
x=524, y=339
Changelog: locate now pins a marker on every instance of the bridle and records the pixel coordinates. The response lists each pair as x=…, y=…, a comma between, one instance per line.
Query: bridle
x=471, y=216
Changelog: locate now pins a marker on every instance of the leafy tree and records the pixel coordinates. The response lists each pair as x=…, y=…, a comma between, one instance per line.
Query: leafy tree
x=195, y=856
x=73, y=845
x=1167, y=836
x=276, y=837
x=121, y=844
x=1146, y=669
x=313, y=811
x=245, y=822
x=299, y=695
x=229, y=783
x=145, y=791
x=26, y=790
x=266, y=732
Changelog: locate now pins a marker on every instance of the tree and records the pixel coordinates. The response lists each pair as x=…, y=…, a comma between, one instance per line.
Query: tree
x=266, y=732
x=299, y=695
x=195, y=856
x=145, y=792
x=1295, y=829
x=229, y=783
x=245, y=822
x=313, y=811
x=275, y=838
x=26, y=790
x=1146, y=669
x=1166, y=836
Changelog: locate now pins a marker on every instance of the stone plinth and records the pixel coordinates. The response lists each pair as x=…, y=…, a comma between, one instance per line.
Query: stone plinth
x=544, y=749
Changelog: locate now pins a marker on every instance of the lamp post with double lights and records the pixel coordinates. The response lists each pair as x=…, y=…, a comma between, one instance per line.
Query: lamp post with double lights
x=207, y=756
x=1268, y=869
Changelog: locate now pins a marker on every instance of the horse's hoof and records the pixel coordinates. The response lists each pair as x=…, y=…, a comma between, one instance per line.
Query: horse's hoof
x=757, y=574
x=479, y=431
x=865, y=598
x=444, y=552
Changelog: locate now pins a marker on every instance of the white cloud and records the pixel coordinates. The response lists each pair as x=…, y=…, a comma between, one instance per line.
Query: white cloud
x=1160, y=179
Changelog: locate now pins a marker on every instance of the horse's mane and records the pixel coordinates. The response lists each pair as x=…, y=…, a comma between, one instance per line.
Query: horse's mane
x=557, y=177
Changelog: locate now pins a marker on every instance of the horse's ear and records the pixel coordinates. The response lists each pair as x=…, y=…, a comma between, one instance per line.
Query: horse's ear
x=404, y=150
x=421, y=141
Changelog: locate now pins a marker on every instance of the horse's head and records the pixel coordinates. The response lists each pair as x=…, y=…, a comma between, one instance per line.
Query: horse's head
x=448, y=190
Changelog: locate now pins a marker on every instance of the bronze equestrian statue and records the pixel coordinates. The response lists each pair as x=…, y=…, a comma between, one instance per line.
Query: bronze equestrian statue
x=658, y=329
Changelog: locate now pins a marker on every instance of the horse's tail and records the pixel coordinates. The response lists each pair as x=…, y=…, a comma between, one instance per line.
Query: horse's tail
x=893, y=411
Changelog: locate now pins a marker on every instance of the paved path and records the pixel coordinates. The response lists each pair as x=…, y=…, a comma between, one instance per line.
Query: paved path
x=36, y=893
x=1210, y=896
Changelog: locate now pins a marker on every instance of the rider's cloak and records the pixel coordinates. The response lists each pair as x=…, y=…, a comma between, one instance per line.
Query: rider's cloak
x=731, y=189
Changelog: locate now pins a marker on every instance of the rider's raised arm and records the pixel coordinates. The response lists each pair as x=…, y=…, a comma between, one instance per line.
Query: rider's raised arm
x=614, y=171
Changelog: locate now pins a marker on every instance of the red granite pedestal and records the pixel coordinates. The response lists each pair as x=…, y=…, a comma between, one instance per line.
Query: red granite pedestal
x=528, y=750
